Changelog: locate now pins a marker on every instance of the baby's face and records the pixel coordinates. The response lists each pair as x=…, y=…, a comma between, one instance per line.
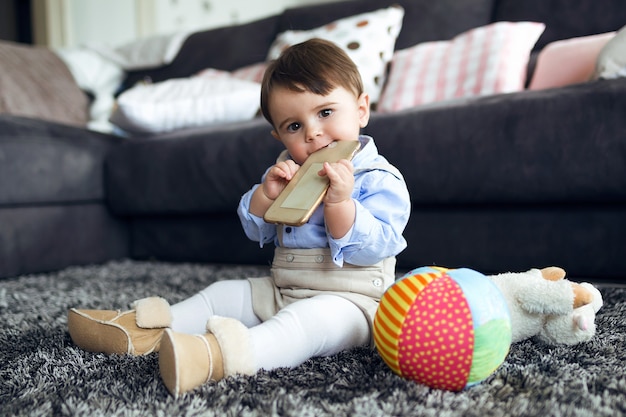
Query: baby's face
x=306, y=122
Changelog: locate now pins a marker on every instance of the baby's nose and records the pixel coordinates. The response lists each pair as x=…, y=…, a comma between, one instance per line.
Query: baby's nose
x=313, y=133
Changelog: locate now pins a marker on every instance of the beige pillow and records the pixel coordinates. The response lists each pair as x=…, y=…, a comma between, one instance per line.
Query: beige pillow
x=34, y=82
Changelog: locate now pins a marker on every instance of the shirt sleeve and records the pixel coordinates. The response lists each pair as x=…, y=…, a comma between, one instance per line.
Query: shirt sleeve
x=382, y=212
x=255, y=228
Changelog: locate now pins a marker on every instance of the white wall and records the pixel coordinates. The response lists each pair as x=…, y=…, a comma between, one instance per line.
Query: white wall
x=175, y=15
x=111, y=21
x=70, y=23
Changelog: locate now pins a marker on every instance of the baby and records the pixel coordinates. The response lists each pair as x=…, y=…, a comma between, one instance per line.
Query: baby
x=327, y=276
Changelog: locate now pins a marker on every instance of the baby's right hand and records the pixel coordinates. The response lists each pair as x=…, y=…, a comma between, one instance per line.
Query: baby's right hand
x=278, y=177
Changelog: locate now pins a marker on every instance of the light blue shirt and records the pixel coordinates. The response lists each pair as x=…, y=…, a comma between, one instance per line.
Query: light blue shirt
x=382, y=212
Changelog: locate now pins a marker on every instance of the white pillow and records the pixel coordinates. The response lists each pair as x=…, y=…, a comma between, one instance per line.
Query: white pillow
x=148, y=52
x=100, y=77
x=486, y=60
x=179, y=103
x=612, y=59
x=368, y=39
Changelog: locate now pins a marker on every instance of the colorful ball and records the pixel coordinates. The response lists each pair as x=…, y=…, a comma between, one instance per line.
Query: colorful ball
x=445, y=328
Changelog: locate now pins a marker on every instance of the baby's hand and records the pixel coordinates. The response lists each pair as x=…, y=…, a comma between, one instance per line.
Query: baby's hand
x=278, y=177
x=341, y=176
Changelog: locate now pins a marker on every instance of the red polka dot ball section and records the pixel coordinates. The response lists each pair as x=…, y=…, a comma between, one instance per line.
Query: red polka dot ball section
x=437, y=339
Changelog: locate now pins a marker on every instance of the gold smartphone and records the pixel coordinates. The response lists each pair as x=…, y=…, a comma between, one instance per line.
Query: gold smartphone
x=297, y=202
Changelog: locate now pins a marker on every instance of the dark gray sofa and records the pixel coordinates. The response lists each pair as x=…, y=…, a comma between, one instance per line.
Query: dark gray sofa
x=498, y=183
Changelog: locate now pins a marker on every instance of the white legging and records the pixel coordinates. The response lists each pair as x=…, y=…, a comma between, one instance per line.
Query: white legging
x=320, y=326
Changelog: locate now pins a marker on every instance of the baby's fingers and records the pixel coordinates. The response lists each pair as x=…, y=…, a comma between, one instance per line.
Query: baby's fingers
x=284, y=170
x=337, y=170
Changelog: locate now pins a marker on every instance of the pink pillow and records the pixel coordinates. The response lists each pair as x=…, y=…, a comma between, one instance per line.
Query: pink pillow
x=252, y=72
x=568, y=61
x=486, y=60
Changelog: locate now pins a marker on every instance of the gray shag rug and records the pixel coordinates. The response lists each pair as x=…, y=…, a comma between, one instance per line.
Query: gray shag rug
x=43, y=374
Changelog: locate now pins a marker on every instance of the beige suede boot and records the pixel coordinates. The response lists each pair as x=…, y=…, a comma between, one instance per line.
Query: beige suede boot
x=189, y=361
x=134, y=332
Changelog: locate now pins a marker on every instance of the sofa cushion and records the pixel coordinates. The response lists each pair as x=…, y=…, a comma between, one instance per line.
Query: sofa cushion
x=564, y=19
x=424, y=20
x=35, y=82
x=529, y=147
x=48, y=163
x=190, y=171
x=487, y=60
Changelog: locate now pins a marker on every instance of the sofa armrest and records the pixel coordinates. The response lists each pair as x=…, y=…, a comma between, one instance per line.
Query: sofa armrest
x=44, y=162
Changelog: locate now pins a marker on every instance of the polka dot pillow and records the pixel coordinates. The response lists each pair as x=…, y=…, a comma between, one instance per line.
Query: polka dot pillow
x=486, y=60
x=368, y=38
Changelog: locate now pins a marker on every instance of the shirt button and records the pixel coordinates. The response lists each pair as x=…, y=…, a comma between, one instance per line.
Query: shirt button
x=319, y=259
x=287, y=229
x=290, y=258
x=377, y=282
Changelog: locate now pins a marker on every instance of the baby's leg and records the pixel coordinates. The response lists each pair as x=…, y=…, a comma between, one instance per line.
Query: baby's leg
x=231, y=298
x=318, y=326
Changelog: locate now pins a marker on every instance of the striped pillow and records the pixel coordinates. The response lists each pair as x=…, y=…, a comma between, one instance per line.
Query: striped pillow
x=487, y=60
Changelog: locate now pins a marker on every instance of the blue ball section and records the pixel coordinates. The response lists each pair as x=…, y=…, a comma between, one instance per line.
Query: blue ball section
x=485, y=299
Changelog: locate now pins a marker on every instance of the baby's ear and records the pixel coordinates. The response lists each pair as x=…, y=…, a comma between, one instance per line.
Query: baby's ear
x=364, y=109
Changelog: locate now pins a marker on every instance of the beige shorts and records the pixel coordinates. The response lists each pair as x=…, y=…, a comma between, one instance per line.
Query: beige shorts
x=297, y=274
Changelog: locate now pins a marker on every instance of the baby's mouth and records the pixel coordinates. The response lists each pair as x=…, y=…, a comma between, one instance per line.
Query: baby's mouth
x=332, y=144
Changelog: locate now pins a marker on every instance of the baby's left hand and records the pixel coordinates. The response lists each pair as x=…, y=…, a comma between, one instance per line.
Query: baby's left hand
x=341, y=176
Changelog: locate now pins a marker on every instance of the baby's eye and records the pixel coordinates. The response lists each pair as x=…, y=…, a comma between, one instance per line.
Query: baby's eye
x=326, y=112
x=293, y=127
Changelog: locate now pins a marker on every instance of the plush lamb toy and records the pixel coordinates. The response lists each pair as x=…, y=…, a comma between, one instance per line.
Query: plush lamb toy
x=545, y=305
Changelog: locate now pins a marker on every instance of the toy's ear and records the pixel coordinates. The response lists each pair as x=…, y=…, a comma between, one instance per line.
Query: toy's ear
x=553, y=273
x=582, y=295
x=597, y=296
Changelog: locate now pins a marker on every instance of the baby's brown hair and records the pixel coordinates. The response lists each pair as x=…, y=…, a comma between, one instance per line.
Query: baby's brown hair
x=316, y=65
